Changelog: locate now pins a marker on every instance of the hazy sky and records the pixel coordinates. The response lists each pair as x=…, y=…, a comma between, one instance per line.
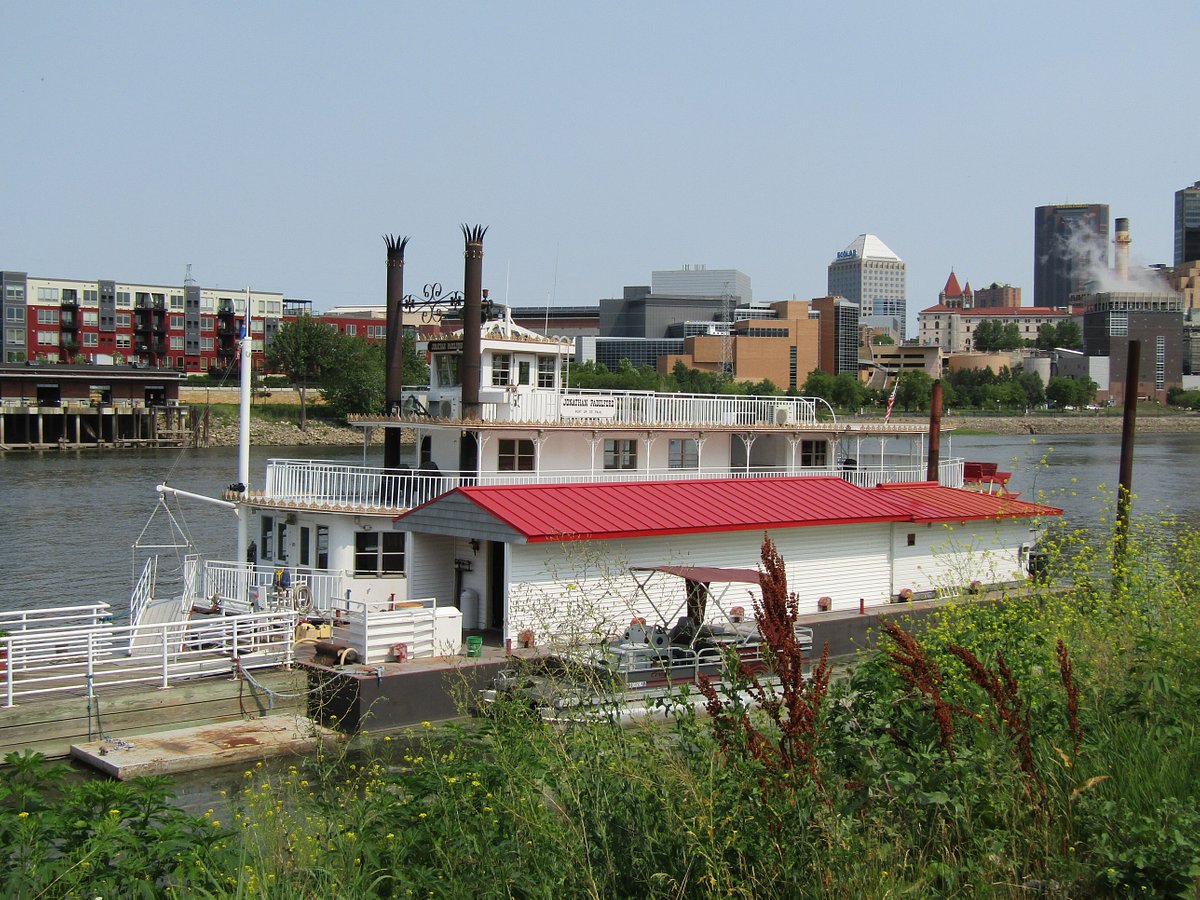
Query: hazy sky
x=271, y=144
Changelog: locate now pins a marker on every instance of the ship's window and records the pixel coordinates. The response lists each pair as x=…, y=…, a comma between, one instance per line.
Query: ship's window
x=378, y=553
x=524, y=372
x=547, y=367
x=447, y=369
x=814, y=454
x=322, y=546
x=515, y=456
x=620, y=454
x=281, y=545
x=683, y=453
x=267, y=538
x=501, y=364
x=912, y=540
x=305, y=537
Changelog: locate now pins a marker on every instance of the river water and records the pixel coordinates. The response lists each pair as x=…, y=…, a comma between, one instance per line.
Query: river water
x=68, y=521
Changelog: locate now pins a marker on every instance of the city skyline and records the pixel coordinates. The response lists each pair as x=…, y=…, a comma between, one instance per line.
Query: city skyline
x=271, y=146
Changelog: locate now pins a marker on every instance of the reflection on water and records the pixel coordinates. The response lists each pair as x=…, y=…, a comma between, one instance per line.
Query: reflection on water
x=68, y=521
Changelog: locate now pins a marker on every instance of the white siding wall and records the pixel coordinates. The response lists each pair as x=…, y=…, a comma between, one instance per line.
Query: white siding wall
x=430, y=566
x=948, y=557
x=584, y=590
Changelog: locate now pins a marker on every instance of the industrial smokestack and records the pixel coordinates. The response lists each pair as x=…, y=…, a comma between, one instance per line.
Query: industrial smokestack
x=394, y=389
x=472, y=319
x=1122, y=242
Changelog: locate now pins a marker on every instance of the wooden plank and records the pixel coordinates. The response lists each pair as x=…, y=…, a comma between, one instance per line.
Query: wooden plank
x=51, y=726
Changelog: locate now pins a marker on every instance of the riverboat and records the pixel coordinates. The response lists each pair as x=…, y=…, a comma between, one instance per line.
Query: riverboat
x=521, y=520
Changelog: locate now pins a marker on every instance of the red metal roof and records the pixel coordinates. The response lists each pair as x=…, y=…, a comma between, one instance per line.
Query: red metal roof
x=554, y=512
x=930, y=502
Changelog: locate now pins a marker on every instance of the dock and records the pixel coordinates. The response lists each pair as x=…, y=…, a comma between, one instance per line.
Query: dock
x=203, y=747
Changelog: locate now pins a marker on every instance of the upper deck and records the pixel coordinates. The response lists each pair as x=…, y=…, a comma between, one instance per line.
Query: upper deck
x=589, y=409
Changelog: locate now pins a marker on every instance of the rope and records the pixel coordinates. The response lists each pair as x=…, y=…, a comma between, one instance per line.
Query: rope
x=284, y=695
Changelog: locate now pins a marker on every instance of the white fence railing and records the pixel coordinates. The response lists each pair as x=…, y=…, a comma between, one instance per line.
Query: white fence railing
x=243, y=587
x=85, y=660
x=640, y=408
x=21, y=620
x=341, y=487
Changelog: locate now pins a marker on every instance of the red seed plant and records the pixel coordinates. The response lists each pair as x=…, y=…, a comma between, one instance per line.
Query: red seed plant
x=1066, y=671
x=917, y=669
x=794, y=705
x=1011, y=711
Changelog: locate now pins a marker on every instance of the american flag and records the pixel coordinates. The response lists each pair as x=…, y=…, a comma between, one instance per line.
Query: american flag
x=892, y=399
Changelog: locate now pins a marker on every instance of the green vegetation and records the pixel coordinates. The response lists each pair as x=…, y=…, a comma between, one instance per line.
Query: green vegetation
x=1045, y=746
x=301, y=350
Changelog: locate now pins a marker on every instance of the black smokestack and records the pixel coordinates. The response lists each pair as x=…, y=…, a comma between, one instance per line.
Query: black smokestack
x=472, y=319
x=395, y=344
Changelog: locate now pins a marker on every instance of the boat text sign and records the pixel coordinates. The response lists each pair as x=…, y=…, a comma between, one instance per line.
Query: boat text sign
x=589, y=407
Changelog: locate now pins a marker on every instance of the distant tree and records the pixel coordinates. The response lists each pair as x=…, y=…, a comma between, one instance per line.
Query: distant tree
x=300, y=350
x=1064, y=391
x=1010, y=337
x=1069, y=336
x=355, y=379
x=1047, y=336
x=883, y=340
x=986, y=337
x=914, y=392
x=819, y=383
x=847, y=392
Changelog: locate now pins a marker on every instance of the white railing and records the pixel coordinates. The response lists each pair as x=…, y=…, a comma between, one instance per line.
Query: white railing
x=329, y=485
x=640, y=408
x=22, y=620
x=143, y=591
x=243, y=587
x=85, y=660
x=950, y=474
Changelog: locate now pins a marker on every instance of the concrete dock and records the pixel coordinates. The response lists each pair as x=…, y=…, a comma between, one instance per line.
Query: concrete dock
x=203, y=747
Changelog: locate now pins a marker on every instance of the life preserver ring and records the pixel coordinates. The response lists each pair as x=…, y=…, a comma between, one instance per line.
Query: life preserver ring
x=302, y=597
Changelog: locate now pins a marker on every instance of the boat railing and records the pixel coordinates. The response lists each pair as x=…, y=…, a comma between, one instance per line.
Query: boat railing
x=247, y=587
x=18, y=621
x=640, y=408
x=334, y=486
x=46, y=662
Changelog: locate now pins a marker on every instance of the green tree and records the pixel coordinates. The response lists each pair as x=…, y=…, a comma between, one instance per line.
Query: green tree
x=1069, y=336
x=1047, y=336
x=986, y=337
x=355, y=378
x=847, y=391
x=819, y=383
x=914, y=392
x=1010, y=337
x=1064, y=391
x=300, y=351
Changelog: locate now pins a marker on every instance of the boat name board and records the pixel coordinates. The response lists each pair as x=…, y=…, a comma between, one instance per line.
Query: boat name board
x=589, y=407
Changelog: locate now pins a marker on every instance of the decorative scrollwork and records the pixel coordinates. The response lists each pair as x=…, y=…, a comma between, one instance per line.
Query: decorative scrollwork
x=434, y=306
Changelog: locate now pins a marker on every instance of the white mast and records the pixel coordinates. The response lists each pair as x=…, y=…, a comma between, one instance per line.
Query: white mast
x=244, y=363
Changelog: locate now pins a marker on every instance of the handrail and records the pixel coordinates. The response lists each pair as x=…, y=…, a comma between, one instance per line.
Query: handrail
x=339, y=487
x=72, y=659
x=20, y=620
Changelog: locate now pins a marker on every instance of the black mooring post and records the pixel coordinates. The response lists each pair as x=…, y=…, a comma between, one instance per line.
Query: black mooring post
x=1133, y=367
x=935, y=432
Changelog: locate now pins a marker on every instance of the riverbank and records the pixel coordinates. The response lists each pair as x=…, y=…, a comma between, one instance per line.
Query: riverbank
x=270, y=433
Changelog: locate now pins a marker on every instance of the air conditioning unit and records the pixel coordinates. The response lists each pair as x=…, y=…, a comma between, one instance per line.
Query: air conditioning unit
x=447, y=409
x=784, y=415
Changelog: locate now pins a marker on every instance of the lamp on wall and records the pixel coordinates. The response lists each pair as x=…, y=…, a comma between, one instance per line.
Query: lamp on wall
x=474, y=542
